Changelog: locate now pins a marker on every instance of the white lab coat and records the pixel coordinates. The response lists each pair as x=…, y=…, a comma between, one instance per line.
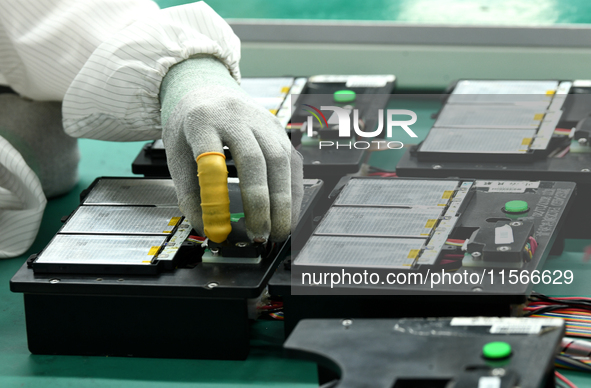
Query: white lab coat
x=105, y=59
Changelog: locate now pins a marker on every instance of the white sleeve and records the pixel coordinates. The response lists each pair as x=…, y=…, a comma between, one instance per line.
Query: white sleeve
x=45, y=43
x=21, y=202
x=106, y=58
x=115, y=95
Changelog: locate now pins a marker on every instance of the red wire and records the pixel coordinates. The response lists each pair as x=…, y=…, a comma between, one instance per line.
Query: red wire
x=565, y=380
x=533, y=243
x=453, y=240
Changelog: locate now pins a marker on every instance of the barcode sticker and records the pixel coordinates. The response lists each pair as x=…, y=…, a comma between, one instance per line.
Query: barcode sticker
x=507, y=186
x=367, y=81
x=524, y=328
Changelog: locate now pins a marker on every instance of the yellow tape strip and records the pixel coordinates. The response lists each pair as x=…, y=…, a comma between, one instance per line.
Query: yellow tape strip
x=413, y=253
x=447, y=194
x=538, y=116
x=174, y=221
x=153, y=251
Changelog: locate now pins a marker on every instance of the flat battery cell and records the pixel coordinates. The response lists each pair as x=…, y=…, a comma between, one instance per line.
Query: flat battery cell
x=488, y=141
x=539, y=90
x=139, y=220
x=396, y=192
x=159, y=192
x=96, y=249
x=392, y=222
x=366, y=252
x=269, y=92
x=490, y=116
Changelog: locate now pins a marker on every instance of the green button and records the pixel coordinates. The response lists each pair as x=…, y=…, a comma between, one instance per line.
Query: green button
x=344, y=96
x=235, y=217
x=496, y=350
x=516, y=207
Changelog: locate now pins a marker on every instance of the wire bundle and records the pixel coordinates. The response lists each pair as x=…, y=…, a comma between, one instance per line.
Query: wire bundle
x=576, y=312
x=273, y=308
x=196, y=239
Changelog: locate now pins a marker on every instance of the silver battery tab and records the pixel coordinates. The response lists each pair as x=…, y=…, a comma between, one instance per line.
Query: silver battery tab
x=396, y=192
x=474, y=140
x=491, y=116
x=503, y=92
x=138, y=220
x=366, y=252
x=389, y=222
x=96, y=249
x=159, y=192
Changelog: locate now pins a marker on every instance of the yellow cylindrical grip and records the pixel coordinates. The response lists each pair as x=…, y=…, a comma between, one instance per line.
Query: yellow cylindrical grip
x=215, y=200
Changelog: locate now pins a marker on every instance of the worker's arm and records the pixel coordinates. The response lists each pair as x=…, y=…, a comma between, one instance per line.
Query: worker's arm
x=107, y=59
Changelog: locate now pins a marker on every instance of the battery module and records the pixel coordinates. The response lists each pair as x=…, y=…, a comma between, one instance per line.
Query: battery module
x=126, y=263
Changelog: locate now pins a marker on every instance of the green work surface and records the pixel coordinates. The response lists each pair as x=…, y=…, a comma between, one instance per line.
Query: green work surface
x=484, y=12
x=264, y=367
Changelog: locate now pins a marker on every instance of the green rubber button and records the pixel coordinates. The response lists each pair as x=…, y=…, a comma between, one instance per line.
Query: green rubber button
x=235, y=217
x=516, y=207
x=344, y=96
x=496, y=350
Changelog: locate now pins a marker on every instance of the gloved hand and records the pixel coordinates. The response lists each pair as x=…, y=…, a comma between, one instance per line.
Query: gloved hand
x=203, y=109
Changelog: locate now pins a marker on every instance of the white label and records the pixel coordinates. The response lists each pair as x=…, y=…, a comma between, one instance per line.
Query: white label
x=375, y=81
x=523, y=328
x=489, y=321
x=507, y=186
x=582, y=83
x=504, y=235
x=489, y=382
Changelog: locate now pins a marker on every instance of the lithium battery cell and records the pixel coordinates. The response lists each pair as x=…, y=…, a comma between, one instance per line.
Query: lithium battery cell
x=67, y=249
x=396, y=192
x=269, y=92
x=490, y=116
x=503, y=92
x=123, y=220
x=366, y=252
x=392, y=222
x=154, y=192
x=475, y=140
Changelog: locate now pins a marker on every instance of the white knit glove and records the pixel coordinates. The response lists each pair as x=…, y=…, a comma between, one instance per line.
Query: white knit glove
x=203, y=109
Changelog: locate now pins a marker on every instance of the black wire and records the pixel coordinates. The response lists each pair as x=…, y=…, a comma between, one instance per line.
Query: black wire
x=580, y=303
x=545, y=309
x=376, y=169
